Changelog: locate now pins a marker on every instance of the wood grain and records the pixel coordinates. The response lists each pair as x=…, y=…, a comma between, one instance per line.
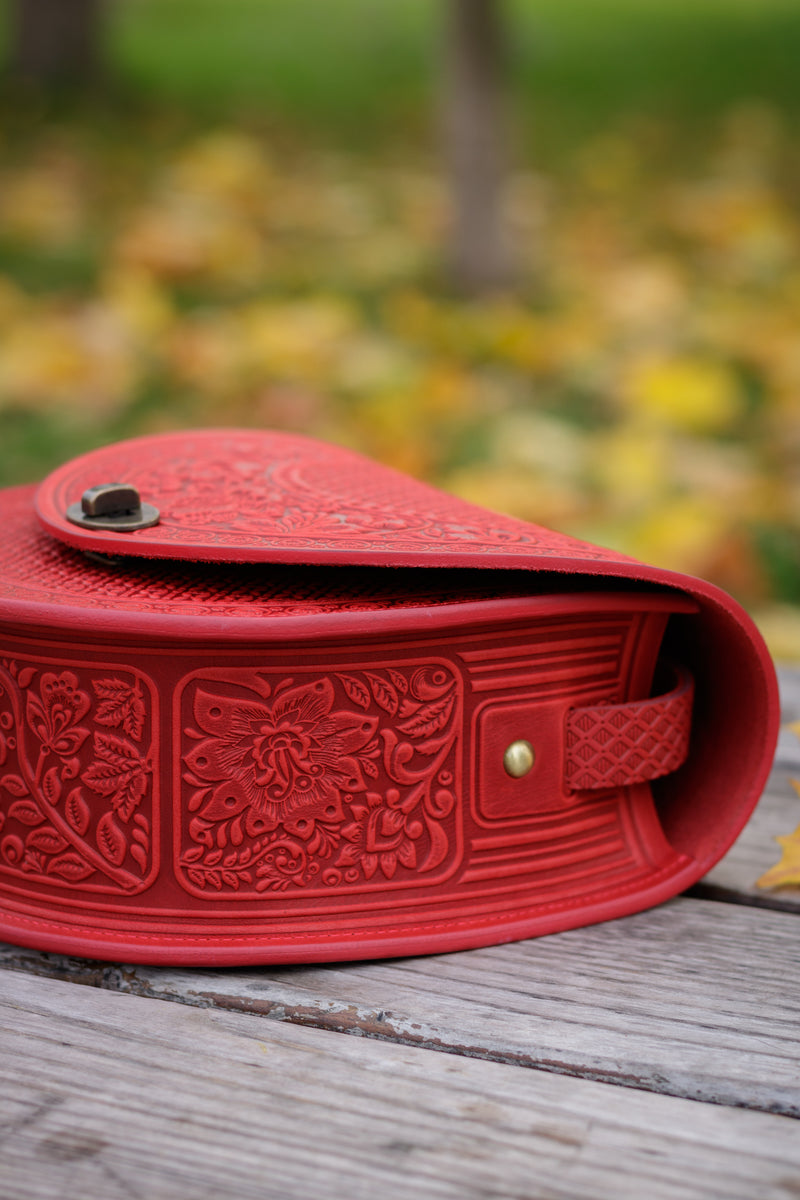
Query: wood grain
x=103, y=1094
x=789, y=684
x=695, y=999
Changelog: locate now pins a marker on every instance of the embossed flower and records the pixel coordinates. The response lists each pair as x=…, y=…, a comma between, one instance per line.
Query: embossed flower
x=292, y=758
x=380, y=836
x=55, y=714
x=282, y=750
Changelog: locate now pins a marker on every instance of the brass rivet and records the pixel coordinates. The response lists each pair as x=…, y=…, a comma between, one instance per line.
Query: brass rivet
x=518, y=759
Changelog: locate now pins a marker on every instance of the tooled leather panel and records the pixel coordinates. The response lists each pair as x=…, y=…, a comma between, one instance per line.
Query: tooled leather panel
x=247, y=495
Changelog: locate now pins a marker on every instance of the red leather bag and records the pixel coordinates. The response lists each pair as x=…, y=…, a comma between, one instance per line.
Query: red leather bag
x=320, y=711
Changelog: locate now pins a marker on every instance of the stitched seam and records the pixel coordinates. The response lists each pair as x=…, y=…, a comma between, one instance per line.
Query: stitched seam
x=393, y=930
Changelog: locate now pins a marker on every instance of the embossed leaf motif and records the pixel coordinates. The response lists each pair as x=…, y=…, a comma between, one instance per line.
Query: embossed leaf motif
x=399, y=681
x=46, y=839
x=356, y=690
x=111, y=840
x=15, y=785
x=51, y=786
x=384, y=693
x=430, y=718
x=26, y=812
x=119, y=771
x=120, y=705
x=77, y=811
x=70, y=867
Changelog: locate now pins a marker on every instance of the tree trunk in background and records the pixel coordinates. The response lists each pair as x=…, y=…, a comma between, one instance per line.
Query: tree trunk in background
x=55, y=41
x=474, y=130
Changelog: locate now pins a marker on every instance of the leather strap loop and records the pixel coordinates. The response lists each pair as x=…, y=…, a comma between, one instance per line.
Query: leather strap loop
x=615, y=745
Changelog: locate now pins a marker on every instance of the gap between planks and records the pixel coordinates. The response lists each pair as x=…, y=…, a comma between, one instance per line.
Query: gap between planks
x=118, y=1096
x=693, y=999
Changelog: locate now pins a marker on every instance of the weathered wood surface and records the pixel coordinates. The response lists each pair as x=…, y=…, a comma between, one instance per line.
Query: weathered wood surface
x=654, y=1001
x=119, y=1096
x=789, y=684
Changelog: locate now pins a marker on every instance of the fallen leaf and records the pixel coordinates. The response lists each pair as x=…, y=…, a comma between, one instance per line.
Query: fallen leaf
x=785, y=873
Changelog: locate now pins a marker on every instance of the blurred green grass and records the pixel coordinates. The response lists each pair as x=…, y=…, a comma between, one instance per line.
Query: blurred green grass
x=361, y=71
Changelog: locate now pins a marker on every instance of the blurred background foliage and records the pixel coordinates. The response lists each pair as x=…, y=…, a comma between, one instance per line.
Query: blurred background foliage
x=242, y=220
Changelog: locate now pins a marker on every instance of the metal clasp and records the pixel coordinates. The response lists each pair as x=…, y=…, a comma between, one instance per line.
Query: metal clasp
x=116, y=506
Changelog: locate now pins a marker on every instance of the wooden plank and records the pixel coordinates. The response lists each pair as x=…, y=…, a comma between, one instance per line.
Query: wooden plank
x=694, y=999
x=119, y=1096
x=789, y=684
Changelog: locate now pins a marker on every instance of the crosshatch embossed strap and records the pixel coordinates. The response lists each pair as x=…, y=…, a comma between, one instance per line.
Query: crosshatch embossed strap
x=615, y=745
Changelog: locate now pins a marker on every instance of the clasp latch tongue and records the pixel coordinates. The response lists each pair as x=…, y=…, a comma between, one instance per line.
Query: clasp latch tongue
x=115, y=506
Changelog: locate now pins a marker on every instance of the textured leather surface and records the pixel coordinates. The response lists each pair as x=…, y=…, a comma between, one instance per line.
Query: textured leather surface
x=246, y=496
x=614, y=745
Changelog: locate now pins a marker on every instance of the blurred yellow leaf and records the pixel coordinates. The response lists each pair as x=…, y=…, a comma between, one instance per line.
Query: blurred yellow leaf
x=371, y=363
x=542, y=443
x=685, y=393
x=785, y=873
x=517, y=492
x=183, y=241
x=229, y=166
x=42, y=205
x=681, y=533
x=12, y=301
x=207, y=351
x=742, y=216
x=779, y=625
x=301, y=339
x=82, y=359
x=632, y=466
x=141, y=304
x=643, y=295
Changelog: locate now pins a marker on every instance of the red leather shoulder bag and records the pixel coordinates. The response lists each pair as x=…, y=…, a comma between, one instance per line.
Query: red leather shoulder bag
x=263, y=700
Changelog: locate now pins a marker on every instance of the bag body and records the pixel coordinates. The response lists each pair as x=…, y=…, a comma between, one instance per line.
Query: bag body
x=320, y=711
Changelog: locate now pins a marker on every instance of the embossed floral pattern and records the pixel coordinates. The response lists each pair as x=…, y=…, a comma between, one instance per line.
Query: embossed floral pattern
x=381, y=836
x=268, y=490
x=73, y=792
x=54, y=714
x=342, y=780
x=293, y=757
